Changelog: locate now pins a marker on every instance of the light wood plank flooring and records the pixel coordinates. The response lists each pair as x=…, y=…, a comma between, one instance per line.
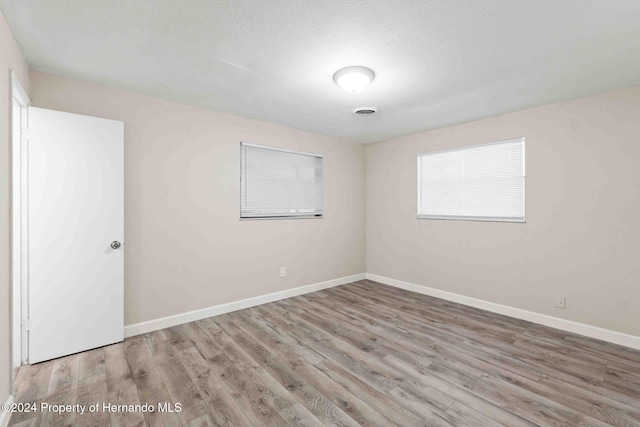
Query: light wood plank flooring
x=359, y=354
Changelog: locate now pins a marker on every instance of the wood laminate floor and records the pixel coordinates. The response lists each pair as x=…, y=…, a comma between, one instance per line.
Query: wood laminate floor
x=358, y=354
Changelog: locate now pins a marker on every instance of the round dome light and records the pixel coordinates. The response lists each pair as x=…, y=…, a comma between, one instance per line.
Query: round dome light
x=353, y=79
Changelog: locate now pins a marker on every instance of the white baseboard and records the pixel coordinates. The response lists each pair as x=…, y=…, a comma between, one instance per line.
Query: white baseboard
x=179, y=319
x=6, y=416
x=541, y=319
x=614, y=337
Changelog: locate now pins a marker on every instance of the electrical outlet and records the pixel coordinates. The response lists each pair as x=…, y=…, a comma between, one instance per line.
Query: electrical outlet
x=283, y=271
x=561, y=302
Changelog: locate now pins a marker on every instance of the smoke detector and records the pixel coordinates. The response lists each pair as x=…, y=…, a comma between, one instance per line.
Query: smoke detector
x=365, y=111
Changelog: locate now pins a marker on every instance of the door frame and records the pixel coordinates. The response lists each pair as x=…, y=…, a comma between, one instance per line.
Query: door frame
x=19, y=224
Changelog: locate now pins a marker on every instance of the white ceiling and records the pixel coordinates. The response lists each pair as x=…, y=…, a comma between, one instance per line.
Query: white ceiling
x=437, y=62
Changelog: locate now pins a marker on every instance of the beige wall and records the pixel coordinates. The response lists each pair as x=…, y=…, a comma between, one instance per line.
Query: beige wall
x=186, y=248
x=10, y=59
x=582, y=226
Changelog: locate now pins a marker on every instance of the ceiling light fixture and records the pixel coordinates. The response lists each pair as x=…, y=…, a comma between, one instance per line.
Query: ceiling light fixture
x=353, y=79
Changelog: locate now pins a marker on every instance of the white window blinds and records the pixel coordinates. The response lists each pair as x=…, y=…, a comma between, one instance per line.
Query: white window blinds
x=482, y=182
x=279, y=183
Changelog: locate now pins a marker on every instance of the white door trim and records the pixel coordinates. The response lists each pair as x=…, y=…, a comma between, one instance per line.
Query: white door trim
x=18, y=225
x=18, y=92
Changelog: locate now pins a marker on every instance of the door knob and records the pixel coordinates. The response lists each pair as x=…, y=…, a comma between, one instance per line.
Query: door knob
x=115, y=244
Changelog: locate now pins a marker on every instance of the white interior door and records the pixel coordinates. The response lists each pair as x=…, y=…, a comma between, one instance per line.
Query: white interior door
x=76, y=211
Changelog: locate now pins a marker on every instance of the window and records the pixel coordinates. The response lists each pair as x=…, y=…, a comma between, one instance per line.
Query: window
x=279, y=183
x=482, y=182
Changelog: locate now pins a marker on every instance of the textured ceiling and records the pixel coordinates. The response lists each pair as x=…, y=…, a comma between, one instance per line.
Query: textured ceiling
x=437, y=62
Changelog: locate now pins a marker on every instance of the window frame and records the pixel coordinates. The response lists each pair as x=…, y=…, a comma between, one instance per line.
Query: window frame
x=280, y=216
x=518, y=220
